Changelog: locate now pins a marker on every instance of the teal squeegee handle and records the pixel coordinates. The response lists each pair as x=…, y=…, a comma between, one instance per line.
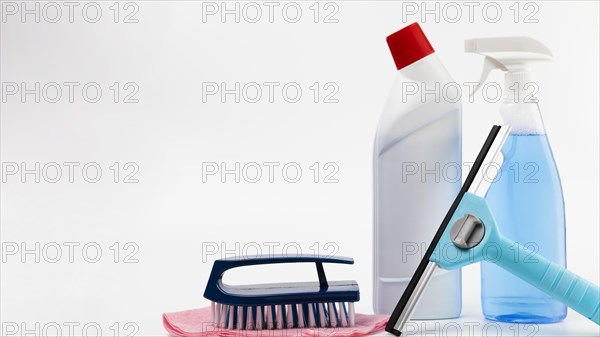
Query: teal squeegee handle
x=574, y=291
x=488, y=244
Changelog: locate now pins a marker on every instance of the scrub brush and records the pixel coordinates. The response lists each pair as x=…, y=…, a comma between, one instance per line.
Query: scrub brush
x=320, y=304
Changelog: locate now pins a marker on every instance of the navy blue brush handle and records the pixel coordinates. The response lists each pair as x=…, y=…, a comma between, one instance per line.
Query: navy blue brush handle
x=222, y=265
x=283, y=293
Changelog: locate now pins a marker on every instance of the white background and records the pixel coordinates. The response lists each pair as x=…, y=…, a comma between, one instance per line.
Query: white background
x=170, y=215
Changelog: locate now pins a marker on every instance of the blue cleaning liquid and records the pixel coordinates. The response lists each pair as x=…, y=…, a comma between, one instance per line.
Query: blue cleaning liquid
x=527, y=202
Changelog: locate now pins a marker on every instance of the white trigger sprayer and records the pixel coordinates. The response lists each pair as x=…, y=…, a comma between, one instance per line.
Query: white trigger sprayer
x=511, y=55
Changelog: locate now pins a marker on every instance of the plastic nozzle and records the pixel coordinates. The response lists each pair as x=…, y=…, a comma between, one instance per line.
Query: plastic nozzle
x=509, y=54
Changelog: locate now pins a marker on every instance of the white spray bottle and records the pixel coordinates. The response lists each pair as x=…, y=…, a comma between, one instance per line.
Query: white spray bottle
x=417, y=175
x=527, y=199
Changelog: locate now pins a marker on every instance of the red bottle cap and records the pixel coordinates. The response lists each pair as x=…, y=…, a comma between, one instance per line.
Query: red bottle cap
x=408, y=45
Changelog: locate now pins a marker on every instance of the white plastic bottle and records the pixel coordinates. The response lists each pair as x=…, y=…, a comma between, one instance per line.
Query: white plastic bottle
x=417, y=175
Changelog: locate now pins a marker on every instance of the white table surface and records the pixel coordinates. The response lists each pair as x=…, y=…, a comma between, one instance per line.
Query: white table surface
x=473, y=324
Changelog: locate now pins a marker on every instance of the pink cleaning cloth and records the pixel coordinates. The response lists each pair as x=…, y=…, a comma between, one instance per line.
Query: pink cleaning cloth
x=198, y=323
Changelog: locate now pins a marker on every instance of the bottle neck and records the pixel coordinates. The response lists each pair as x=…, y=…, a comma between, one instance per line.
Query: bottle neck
x=520, y=87
x=427, y=69
x=523, y=116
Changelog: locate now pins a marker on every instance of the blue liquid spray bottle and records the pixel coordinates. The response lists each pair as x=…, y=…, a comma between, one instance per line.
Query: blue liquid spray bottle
x=526, y=196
